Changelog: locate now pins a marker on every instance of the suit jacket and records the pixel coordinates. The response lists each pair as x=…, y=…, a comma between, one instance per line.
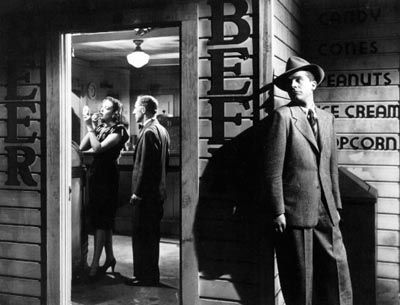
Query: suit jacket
x=299, y=171
x=150, y=162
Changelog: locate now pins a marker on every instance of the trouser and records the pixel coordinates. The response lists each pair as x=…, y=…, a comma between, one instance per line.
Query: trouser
x=312, y=264
x=147, y=216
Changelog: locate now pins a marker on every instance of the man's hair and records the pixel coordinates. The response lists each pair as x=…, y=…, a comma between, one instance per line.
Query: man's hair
x=149, y=103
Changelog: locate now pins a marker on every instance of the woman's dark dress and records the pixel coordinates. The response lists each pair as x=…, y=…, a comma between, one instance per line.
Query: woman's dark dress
x=104, y=179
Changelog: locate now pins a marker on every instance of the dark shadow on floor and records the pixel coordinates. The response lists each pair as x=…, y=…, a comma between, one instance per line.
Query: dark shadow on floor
x=231, y=223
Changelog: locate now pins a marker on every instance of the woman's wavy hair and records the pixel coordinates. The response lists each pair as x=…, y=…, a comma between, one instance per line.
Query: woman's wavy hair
x=117, y=115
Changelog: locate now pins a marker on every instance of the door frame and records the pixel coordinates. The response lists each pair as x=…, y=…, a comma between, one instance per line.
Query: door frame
x=58, y=136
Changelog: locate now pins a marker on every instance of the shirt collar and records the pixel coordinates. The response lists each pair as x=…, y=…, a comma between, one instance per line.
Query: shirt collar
x=305, y=110
x=148, y=121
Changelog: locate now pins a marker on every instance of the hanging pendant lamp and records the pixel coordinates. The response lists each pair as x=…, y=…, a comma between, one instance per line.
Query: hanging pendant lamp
x=138, y=58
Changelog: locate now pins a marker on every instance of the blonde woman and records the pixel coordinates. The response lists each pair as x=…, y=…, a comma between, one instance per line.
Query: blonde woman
x=106, y=138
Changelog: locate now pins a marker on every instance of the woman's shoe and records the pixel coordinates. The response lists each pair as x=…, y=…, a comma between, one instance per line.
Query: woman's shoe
x=109, y=264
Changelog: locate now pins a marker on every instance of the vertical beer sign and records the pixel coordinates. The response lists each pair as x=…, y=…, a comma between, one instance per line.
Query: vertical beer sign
x=226, y=72
x=20, y=130
x=21, y=213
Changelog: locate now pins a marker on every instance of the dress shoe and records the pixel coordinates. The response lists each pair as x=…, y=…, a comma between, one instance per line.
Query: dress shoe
x=109, y=264
x=94, y=274
x=136, y=282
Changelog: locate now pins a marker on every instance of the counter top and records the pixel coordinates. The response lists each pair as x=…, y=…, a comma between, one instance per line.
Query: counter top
x=126, y=158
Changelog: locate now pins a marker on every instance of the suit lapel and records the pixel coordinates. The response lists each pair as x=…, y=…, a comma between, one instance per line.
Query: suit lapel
x=301, y=123
x=148, y=124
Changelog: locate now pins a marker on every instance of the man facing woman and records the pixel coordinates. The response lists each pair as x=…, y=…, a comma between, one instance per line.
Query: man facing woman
x=106, y=137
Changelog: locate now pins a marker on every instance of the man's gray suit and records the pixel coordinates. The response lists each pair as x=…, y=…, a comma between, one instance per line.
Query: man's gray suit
x=149, y=183
x=302, y=182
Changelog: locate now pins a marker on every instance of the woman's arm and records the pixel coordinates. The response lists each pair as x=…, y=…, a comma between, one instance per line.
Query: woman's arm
x=90, y=139
x=85, y=143
x=110, y=141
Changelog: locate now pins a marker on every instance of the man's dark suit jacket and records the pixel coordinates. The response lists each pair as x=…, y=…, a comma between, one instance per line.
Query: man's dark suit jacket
x=150, y=162
x=300, y=172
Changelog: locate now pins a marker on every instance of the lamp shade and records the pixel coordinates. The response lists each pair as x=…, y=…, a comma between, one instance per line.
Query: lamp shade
x=138, y=58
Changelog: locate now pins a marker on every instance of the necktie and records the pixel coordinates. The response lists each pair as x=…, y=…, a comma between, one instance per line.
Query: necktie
x=313, y=121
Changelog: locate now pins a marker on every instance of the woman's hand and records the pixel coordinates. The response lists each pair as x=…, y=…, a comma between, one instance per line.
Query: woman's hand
x=96, y=116
x=96, y=119
x=87, y=117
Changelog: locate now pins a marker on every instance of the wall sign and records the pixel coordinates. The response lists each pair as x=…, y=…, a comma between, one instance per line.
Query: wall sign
x=19, y=156
x=367, y=142
x=348, y=48
x=347, y=79
x=350, y=16
x=362, y=110
x=220, y=47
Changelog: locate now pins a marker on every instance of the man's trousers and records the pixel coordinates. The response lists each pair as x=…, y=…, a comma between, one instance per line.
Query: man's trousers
x=312, y=264
x=147, y=216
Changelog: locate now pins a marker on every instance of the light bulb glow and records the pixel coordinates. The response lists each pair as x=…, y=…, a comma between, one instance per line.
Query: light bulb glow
x=138, y=58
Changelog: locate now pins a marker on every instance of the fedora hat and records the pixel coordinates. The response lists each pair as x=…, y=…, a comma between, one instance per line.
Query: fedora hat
x=295, y=64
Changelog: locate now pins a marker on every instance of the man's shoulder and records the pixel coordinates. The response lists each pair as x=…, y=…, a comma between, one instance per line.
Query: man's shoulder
x=156, y=131
x=152, y=128
x=283, y=111
x=161, y=128
x=325, y=113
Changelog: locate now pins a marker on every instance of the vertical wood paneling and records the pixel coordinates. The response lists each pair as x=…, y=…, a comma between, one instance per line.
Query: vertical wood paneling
x=53, y=53
x=189, y=180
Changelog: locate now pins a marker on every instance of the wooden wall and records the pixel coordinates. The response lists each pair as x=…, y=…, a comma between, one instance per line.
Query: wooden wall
x=287, y=24
x=229, y=238
x=357, y=42
x=21, y=164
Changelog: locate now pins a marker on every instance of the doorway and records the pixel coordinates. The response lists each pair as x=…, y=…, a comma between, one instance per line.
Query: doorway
x=58, y=171
x=99, y=68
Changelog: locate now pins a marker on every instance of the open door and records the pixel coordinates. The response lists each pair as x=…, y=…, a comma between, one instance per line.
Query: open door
x=100, y=69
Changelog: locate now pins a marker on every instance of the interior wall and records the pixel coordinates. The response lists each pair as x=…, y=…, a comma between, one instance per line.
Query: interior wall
x=163, y=82
x=357, y=42
x=114, y=82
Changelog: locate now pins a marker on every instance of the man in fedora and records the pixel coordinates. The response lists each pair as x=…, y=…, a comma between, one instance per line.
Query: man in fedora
x=303, y=192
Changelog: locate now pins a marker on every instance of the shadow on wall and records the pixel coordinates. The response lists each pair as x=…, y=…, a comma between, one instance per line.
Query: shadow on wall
x=233, y=244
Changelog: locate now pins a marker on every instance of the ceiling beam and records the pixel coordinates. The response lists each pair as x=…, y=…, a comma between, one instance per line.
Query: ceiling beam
x=123, y=35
